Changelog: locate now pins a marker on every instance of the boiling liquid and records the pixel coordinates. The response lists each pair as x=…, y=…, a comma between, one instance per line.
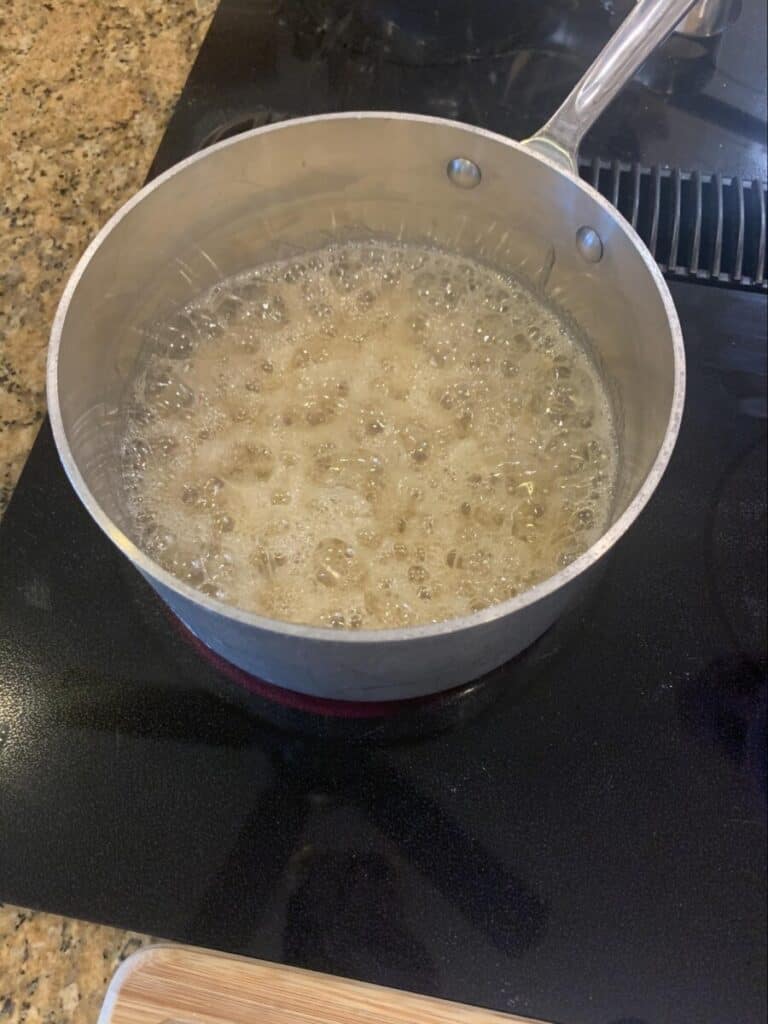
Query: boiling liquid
x=372, y=436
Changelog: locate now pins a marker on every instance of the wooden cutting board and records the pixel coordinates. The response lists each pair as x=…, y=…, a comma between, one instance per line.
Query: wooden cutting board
x=176, y=985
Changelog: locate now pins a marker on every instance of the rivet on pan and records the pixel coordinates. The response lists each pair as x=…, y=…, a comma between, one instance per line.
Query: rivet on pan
x=589, y=244
x=463, y=173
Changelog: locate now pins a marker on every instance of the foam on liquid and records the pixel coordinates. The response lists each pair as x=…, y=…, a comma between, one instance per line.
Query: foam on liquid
x=372, y=436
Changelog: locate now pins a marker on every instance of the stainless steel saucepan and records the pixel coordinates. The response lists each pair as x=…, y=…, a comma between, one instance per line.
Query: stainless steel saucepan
x=293, y=186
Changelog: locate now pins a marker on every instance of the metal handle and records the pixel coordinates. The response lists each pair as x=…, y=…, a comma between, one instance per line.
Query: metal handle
x=644, y=28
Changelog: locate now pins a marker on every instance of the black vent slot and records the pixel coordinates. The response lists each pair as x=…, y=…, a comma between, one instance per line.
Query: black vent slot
x=703, y=227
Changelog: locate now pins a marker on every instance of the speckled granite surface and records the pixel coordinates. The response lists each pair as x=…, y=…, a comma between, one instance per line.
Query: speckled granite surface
x=54, y=970
x=86, y=87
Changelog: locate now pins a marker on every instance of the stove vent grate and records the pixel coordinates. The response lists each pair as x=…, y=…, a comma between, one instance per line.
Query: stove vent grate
x=702, y=227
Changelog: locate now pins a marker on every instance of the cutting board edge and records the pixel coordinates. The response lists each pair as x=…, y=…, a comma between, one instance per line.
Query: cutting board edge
x=157, y=951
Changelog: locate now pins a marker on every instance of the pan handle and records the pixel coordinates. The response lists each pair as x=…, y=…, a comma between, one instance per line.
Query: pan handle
x=645, y=27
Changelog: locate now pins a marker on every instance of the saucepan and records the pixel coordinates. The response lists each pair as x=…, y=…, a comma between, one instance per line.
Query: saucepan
x=291, y=187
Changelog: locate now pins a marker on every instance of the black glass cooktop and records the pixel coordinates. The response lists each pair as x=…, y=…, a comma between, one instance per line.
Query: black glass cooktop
x=581, y=837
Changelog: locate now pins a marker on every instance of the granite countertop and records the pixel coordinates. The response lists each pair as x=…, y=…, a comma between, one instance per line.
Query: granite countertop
x=86, y=88
x=54, y=970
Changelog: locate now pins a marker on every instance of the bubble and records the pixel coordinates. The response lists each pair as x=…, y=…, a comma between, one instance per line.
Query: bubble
x=226, y=305
x=321, y=311
x=464, y=421
x=190, y=570
x=426, y=453
x=337, y=563
x=165, y=445
x=258, y=301
x=585, y=518
x=336, y=620
x=478, y=562
x=481, y=361
x=219, y=564
x=414, y=437
x=146, y=522
x=138, y=413
x=417, y=574
x=212, y=487
x=163, y=542
x=441, y=354
x=318, y=410
x=415, y=259
x=181, y=337
x=561, y=371
x=136, y=453
x=397, y=613
x=526, y=517
x=294, y=273
x=190, y=495
x=418, y=326
x=491, y=329
x=490, y=516
x=166, y=392
x=357, y=470
x=265, y=561
x=498, y=300
x=223, y=523
x=345, y=274
x=249, y=463
x=439, y=291
x=425, y=285
x=206, y=325
x=369, y=538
